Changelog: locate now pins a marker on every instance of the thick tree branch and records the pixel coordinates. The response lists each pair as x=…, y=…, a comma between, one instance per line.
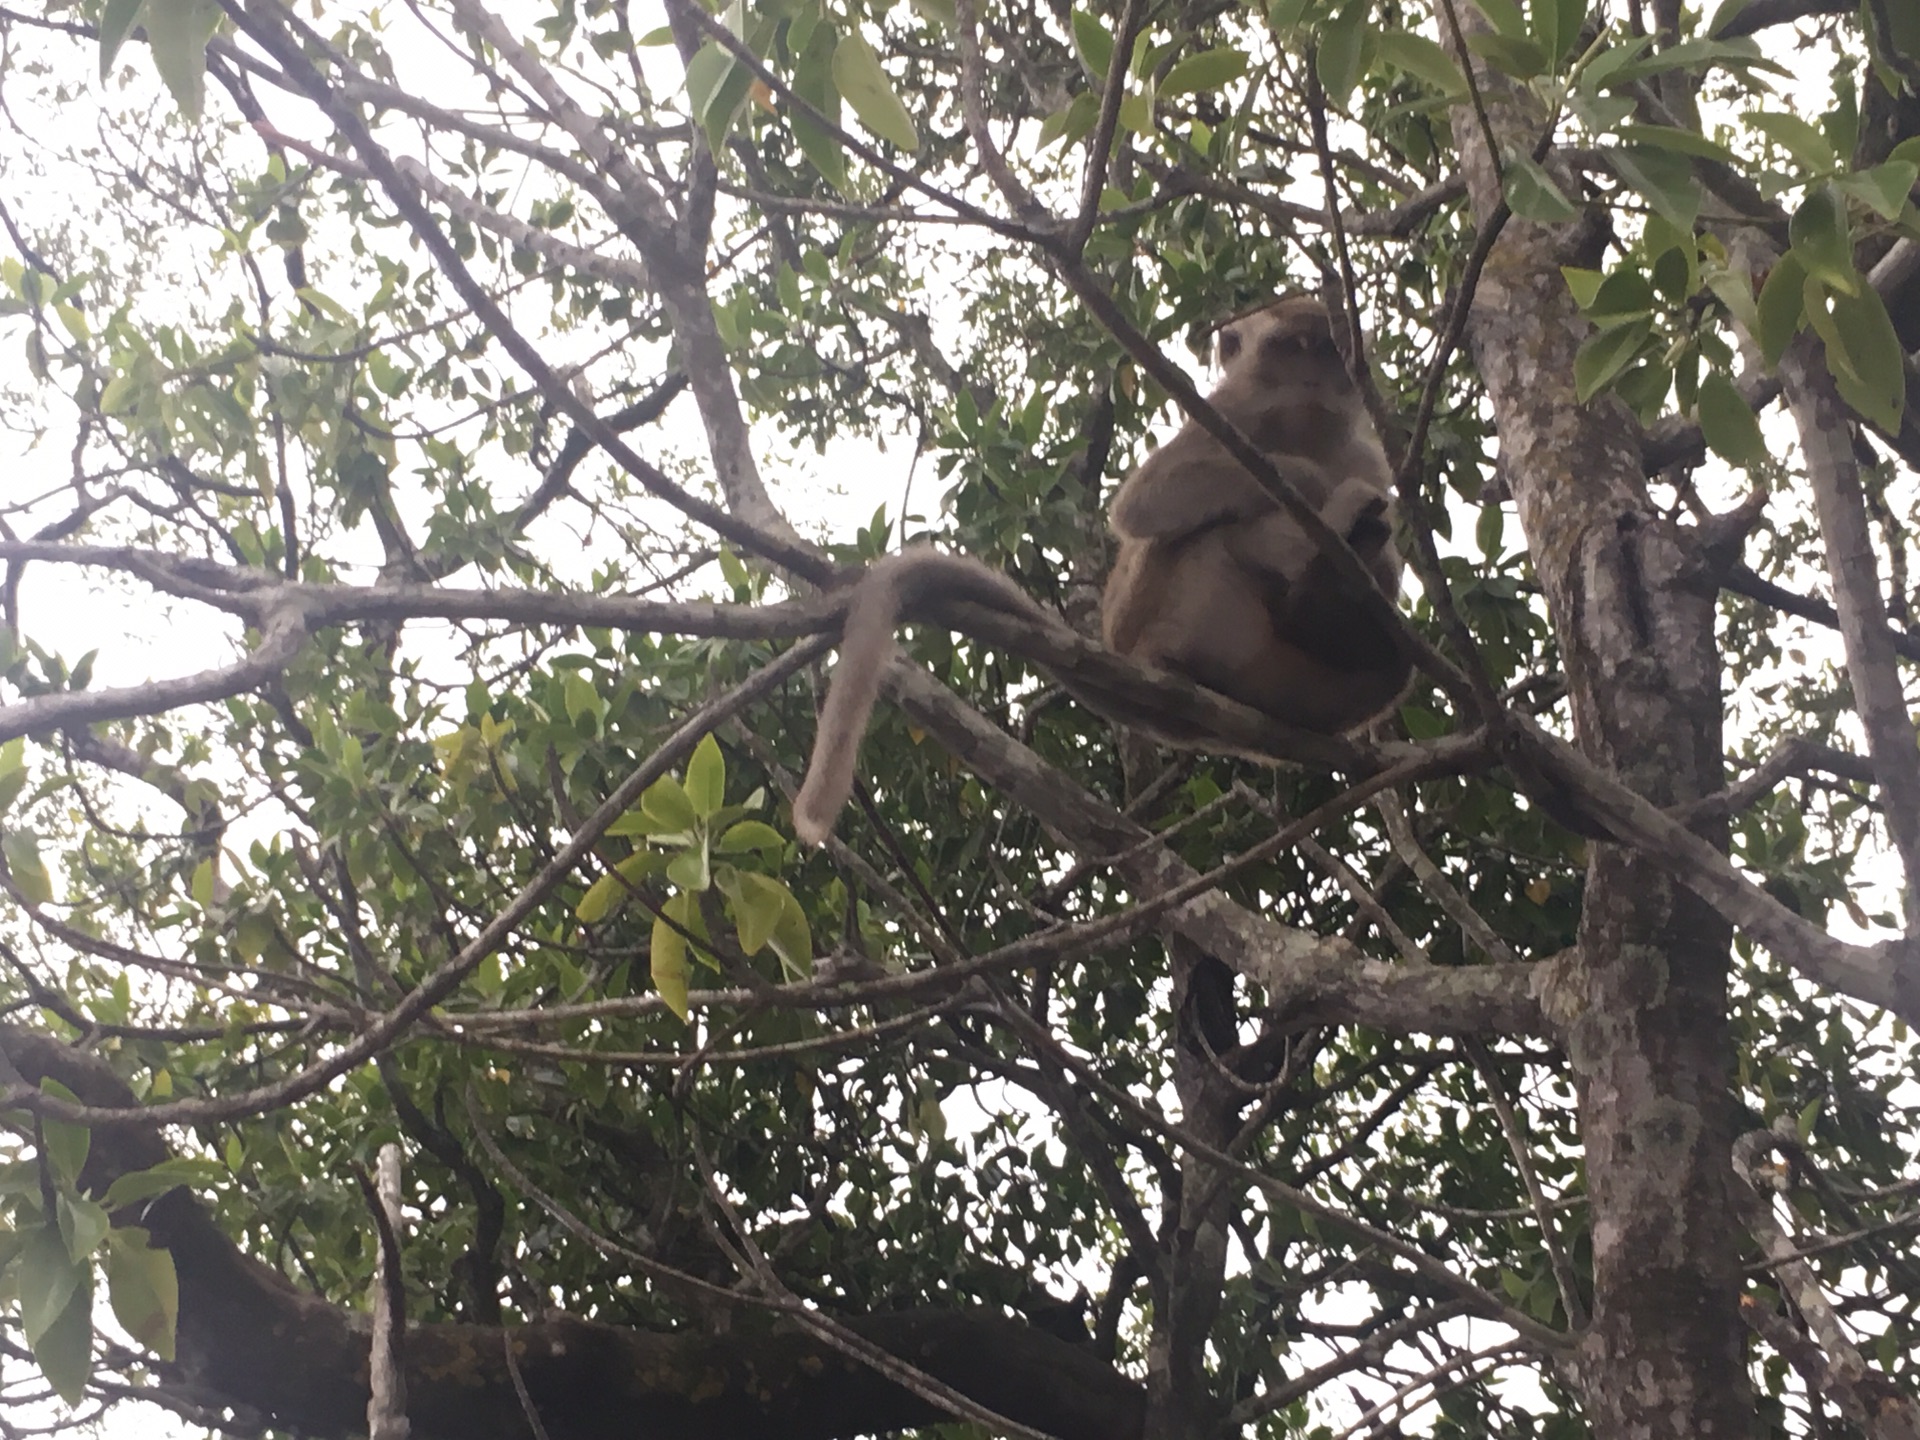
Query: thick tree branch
x=249, y=1337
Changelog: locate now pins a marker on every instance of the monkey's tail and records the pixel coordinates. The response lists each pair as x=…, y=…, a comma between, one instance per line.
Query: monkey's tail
x=891, y=587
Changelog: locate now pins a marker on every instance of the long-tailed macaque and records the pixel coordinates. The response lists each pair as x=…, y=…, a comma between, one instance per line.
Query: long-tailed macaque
x=1212, y=580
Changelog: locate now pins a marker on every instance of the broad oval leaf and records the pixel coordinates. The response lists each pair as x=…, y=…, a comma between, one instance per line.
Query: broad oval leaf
x=1781, y=307
x=1605, y=355
x=177, y=33
x=864, y=85
x=1728, y=422
x=667, y=957
x=1423, y=59
x=1822, y=240
x=64, y=1351
x=706, y=781
x=144, y=1290
x=48, y=1280
x=1208, y=70
x=116, y=23
x=1533, y=195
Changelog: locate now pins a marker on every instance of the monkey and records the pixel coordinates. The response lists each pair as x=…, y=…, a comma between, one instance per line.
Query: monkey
x=1212, y=579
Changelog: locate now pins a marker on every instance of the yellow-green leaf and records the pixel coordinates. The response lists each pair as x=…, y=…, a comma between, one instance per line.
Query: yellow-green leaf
x=665, y=803
x=1208, y=70
x=792, y=941
x=178, y=32
x=83, y=1225
x=707, y=777
x=864, y=85
x=612, y=890
x=144, y=1290
x=668, y=956
x=29, y=872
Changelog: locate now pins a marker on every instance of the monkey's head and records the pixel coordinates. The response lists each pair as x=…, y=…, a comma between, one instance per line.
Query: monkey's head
x=1285, y=352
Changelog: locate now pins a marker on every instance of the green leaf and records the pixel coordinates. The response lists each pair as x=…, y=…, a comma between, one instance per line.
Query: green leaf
x=1554, y=24
x=137, y=1185
x=22, y=852
x=1664, y=180
x=666, y=805
x=1623, y=295
x=1424, y=60
x=668, y=956
x=582, y=700
x=1284, y=15
x=1863, y=351
x=1522, y=59
x=1809, y=147
x=792, y=941
x=706, y=781
x=1821, y=239
x=1488, y=531
x=757, y=903
x=689, y=869
x=1209, y=70
x=1584, y=284
x=177, y=33
x=864, y=84
x=717, y=86
x=1341, y=50
x=1605, y=355
x=201, y=885
x=64, y=1351
x=1804, y=1122
x=1884, y=189
x=813, y=83
x=1533, y=195
x=1094, y=42
x=116, y=23
x=750, y=835
x=13, y=771
x=66, y=1143
x=83, y=1224
x=1668, y=137
x=1782, y=306
x=1504, y=16
x=614, y=889
x=144, y=1290
x=1735, y=291
x=1728, y=422
x=48, y=1279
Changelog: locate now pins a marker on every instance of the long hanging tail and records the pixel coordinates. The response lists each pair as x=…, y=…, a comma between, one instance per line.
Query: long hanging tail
x=889, y=587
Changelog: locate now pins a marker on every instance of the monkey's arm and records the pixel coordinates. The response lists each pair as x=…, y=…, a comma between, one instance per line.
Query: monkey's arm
x=1191, y=483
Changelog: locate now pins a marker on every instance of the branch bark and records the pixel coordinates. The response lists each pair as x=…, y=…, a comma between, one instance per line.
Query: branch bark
x=246, y=1335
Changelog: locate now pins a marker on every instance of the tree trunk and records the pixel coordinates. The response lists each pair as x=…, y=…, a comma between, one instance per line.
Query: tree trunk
x=1644, y=1004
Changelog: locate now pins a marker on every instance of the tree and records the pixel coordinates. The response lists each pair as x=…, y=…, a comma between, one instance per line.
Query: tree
x=1533, y=1066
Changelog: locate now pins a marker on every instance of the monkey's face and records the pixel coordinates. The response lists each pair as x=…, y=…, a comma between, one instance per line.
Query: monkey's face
x=1286, y=354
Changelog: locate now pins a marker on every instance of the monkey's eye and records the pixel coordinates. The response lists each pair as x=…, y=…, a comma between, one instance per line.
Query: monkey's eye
x=1229, y=345
x=1284, y=347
